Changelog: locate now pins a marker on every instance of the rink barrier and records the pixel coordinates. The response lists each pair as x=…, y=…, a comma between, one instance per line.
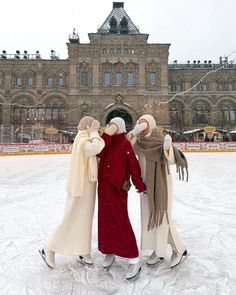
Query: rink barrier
x=55, y=148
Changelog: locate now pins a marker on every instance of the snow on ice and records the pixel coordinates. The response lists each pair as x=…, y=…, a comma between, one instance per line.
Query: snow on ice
x=32, y=199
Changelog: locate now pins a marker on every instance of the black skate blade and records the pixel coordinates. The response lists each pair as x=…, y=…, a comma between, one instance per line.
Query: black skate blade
x=134, y=278
x=42, y=254
x=155, y=264
x=183, y=258
x=84, y=262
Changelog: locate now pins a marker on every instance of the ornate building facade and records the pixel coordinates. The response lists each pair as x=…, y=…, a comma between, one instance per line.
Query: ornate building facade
x=118, y=73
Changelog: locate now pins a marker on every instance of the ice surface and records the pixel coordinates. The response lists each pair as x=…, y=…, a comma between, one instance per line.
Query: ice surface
x=32, y=199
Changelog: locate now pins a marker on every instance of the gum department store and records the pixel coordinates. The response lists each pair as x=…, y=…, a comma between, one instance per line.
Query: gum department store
x=118, y=73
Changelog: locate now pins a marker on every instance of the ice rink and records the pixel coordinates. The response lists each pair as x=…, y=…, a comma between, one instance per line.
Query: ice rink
x=32, y=198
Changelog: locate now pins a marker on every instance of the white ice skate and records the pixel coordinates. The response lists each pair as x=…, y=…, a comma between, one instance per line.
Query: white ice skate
x=154, y=259
x=108, y=261
x=177, y=258
x=48, y=257
x=87, y=259
x=133, y=271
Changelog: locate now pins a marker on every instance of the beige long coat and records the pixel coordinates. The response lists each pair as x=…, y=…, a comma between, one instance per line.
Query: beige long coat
x=158, y=238
x=74, y=233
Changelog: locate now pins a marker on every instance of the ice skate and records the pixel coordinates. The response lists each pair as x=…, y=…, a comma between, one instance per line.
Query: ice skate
x=177, y=258
x=48, y=257
x=87, y=259
x=108, y=261
x=154, y=259
x=133, y=271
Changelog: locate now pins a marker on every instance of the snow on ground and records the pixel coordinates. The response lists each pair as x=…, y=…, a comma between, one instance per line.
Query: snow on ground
x=32, y=198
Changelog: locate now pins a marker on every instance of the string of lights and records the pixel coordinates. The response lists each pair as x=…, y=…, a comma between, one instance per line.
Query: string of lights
x=200, y=80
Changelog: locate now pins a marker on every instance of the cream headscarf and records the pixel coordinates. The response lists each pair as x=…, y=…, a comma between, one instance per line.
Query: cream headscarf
x=120, y=123
x=81, y=166
x=151, y=122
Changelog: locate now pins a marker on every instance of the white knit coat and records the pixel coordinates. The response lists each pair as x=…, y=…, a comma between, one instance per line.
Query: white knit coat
x=74, y=233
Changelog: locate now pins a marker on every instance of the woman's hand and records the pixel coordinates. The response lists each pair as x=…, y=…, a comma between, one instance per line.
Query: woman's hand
x=167, y=142
x=139, y=128
x=94, y=126
x=111, y=129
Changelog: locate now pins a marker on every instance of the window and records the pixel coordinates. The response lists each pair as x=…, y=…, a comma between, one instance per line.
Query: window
x=1, y=81
x=16, y=114
x=107, y=79
x=111, y=50
x=49, y=82
x=55, y=113
x=61, y=81
x=62, y=113
x=152, y=78
x=18, y=81
x=230, y=87
x=30, y=81
x=31, y=114
x=118, y=78
x=84, y=78
x=130, y=80
x=48, y=113
x=104, y=51
x=178, y=87
x=125, y=51
x=118, y=51
x=201, y=113
x=40, y=113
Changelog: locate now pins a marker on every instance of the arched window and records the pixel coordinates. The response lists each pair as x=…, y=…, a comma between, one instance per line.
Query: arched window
x=55, y=113
x=176, y=112
x=85, y=73
x=221, y=84
x=227, y=112
x=201, y=113
x=113, y=25
x=29, y=79
x=124, y=25
x=152, y=74
x=16, y=114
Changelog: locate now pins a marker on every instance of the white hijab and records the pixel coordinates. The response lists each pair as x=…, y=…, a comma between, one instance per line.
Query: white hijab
x=120, y=123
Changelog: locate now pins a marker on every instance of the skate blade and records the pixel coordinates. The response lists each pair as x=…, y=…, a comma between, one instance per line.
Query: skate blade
x=82, y=261
x=130, y=280
x=183, y=258
x=154, y=265
x=44, y=258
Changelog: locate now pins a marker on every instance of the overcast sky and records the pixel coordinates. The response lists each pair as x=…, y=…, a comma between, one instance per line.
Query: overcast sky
x=196, y=29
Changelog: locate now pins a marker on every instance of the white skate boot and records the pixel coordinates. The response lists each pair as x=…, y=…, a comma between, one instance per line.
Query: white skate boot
x=109, y=259
x=154, y=259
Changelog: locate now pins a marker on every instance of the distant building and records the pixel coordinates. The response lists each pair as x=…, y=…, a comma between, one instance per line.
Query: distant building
x=118, y=73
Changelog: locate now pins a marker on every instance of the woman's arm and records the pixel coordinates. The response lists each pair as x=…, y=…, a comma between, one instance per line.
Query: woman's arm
x=94, y=146
x=135, y=170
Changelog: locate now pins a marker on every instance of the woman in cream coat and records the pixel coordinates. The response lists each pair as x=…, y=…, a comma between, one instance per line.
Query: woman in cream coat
x=73, y=235
x=163, y=232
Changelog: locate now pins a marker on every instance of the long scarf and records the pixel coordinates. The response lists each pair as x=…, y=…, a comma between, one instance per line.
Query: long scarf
x=80, y=166
x=156, y=178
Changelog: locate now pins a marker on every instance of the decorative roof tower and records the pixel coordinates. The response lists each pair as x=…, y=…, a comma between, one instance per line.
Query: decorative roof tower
x=118, y=22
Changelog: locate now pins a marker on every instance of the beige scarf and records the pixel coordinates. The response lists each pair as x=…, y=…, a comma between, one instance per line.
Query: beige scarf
x=80, y=166
x=156, y=178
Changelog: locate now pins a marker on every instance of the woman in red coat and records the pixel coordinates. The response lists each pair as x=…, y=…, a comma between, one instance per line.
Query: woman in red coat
x=118, y=162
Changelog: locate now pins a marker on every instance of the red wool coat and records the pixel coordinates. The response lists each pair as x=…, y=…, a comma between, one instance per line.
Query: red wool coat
x=115, y=233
